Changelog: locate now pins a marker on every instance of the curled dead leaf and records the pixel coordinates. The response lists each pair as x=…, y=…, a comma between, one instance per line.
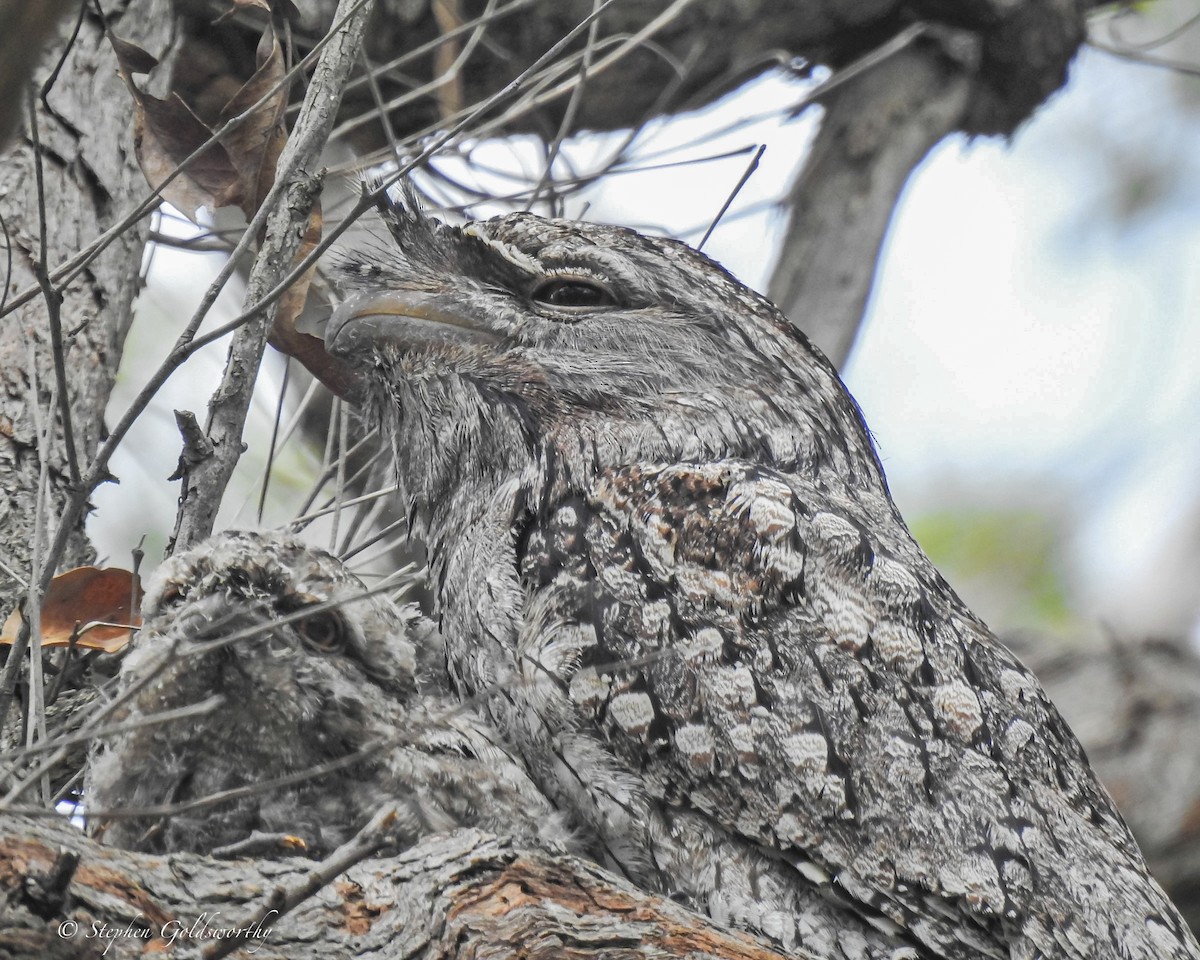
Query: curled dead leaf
x=165, y=133
x=96, y=606
x=236, y=170
x=309, y=350
x=255, y=145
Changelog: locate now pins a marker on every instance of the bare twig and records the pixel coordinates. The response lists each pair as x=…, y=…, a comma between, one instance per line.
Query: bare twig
x=448, y=36
x=336, y=505
x=746, y=175
x=185, y=344
x=636, y=41
x=569, y=114
x=8, y=263
x=272, y=447
x=206, y=706
x=1113, y=25
x=370, y=199
x=69, y=269
x=368, y=840
x=53, y=300
x=1137, y=56
x=447, y=76
x=285, y=228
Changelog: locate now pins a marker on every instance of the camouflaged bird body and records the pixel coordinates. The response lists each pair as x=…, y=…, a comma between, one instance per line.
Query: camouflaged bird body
x=761, y=708
x=829, y=699
x=662, y=545
x=216, y=623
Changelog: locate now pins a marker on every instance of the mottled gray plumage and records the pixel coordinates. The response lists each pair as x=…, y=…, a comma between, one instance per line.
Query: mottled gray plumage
x=309, y=691
x=656, y=521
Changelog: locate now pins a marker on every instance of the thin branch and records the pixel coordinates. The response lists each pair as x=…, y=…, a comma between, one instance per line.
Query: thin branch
x=341, y=412
x=272, y=447
x=70, y=268
x=351, y=550
x=638, y=40
x=746, y=175
x=52, y=79
x=329, y=468
x=448, y=37
x=337, y=504
x=285, y=228
x=373, y=837
x=1113, y=25
x=370, y=199
x=568, y=120
x=1136, y=56
x=53, y=298
x=206, y=706
x=8, y=266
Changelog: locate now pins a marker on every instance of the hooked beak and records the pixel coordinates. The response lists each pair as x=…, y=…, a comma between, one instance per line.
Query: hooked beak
x=405, y=318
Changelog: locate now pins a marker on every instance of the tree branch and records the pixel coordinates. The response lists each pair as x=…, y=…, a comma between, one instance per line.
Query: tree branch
x=464, y=894
x=878, y=127
x=285, y=229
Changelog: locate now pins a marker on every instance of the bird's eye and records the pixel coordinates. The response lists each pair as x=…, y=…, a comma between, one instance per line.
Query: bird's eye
x=322, y=632
x=573, y=293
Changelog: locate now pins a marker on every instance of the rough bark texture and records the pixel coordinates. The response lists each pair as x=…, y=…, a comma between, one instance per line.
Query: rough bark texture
x=91, y=178
x=32, y=22
x=460, y=895
x=709, y=48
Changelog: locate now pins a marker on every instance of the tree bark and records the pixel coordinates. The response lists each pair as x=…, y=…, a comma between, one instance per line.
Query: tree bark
x=465, y=894
x=89, y=178
x=712, y=46
x=878, y=127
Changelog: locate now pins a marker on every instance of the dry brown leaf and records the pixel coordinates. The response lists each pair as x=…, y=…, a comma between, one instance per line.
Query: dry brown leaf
x=165, y=133
x=96, y=605
x=131, y=57
x=256, y=144
x=309, y=350
x=291, y=303
x=243, y=175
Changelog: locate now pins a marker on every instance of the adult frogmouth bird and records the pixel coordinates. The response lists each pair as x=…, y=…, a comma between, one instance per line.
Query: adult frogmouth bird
x=658, y=527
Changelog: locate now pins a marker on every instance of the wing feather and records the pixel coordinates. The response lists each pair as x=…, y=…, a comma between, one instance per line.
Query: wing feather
x=827, y=697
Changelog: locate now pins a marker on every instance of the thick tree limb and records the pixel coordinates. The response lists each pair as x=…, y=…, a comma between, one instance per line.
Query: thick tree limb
x=88, y=173
x=878, y=127
x=461, y=895
x=1025, y=48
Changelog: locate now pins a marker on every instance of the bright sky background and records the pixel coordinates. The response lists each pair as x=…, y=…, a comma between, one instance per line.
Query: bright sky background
x=1034, y=336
